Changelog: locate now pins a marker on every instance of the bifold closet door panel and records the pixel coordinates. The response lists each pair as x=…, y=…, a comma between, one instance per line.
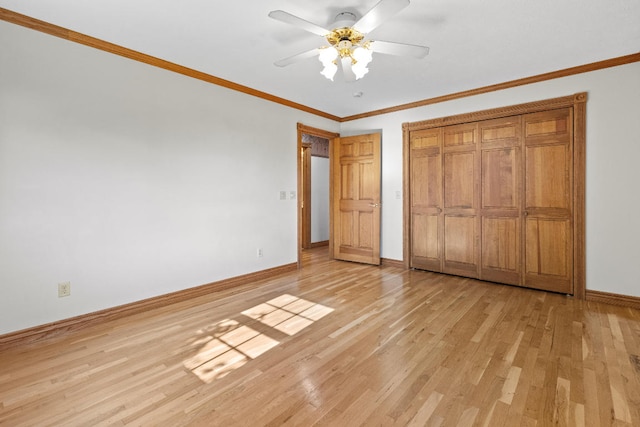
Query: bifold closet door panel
x=426, y=199
x=548, y=254
x=461, y=198
x=501, y=261
x=501, y=187
x=425, y=247
x=460, y=250
x=548, y=210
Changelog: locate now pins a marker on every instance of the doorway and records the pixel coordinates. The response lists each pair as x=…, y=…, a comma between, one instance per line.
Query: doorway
x=315, y=195
x=314, y=225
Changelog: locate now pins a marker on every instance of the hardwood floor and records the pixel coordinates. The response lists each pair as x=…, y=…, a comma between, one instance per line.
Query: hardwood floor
x=339, y=344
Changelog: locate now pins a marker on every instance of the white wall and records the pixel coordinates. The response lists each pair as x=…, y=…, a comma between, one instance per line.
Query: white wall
x=613, y=150
x=130, y=181
x=319, y=199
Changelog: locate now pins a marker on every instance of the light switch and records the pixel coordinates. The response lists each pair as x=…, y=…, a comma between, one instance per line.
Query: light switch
x=292, y=195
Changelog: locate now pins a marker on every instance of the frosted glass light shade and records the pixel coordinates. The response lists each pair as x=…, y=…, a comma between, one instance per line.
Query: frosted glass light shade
x=362, y=57
x=329, y=70
x=327, y=57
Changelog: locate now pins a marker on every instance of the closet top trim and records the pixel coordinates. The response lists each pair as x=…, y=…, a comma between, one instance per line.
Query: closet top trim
x=495, y=113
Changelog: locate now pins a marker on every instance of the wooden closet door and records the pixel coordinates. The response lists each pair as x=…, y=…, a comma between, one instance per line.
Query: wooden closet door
x=426, y=199
x=501, y=188
x=548, y=213
x=461, y=199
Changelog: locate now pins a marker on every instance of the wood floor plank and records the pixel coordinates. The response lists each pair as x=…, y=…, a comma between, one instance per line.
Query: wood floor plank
x=338, y=344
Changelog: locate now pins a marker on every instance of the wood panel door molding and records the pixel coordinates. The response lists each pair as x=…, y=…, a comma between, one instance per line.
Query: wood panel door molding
x=493, y=190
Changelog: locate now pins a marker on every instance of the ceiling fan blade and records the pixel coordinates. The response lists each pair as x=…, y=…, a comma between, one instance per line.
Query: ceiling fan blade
x=286, y=17
x=378, y=14
x=299, y=57
x=347, y=72
x=399, y=49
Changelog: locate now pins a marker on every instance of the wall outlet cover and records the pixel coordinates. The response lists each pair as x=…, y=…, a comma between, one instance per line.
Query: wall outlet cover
x=64, y=289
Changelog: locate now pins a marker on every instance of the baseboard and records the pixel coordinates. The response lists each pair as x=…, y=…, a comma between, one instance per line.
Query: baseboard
x=613, y=299
x=61, y=327
x=392, y=263
x=319, y=244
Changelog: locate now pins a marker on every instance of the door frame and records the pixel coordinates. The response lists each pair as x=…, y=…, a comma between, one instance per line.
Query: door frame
x=303, y=129
x=304, y=196
x=578, y=102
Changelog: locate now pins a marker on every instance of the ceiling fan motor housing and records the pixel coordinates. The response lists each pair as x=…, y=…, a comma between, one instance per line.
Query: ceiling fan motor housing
x=344, y=39
x=344, y=19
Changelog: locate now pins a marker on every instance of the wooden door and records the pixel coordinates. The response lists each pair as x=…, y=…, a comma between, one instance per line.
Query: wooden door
x=501, y=188
x=305, y=195
x=461, y=198
x=356, y=207
x=548, y=213
x=426, y=199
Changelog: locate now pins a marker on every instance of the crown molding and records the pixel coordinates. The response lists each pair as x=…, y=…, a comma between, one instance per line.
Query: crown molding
x=54, y=30
x=594, y=66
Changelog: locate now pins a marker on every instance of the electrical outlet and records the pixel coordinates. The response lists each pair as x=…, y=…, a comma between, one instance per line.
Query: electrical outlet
x=64, y=289
x=260, y=254
x=283, y=195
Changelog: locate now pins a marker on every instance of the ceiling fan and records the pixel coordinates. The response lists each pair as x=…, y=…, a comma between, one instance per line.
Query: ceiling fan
x=349, y=45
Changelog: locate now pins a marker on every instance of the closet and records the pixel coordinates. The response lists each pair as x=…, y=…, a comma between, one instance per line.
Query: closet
x=498, y=195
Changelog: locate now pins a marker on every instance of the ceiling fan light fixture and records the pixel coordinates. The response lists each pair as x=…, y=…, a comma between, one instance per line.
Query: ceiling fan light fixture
x=348, y=42
x=328, y=57
x=329, y=70
x=359, y=71
x=361, y=58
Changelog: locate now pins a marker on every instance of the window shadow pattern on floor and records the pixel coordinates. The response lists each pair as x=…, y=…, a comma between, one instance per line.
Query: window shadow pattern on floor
x=230, y=343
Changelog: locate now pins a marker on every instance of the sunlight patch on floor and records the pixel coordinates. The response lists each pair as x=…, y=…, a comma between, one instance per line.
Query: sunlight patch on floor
x=288, y=314
x=230, y=344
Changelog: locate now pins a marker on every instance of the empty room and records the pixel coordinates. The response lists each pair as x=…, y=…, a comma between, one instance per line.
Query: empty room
x=288, y=212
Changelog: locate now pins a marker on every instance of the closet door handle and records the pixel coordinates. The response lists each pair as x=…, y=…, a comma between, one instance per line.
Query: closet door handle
x=525, y=213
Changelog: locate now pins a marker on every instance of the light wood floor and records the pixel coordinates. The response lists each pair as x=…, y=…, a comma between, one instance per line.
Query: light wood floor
x=339, y=344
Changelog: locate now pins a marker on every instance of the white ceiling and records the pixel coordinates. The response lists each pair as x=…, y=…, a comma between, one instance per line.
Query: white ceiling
x=474, y=43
